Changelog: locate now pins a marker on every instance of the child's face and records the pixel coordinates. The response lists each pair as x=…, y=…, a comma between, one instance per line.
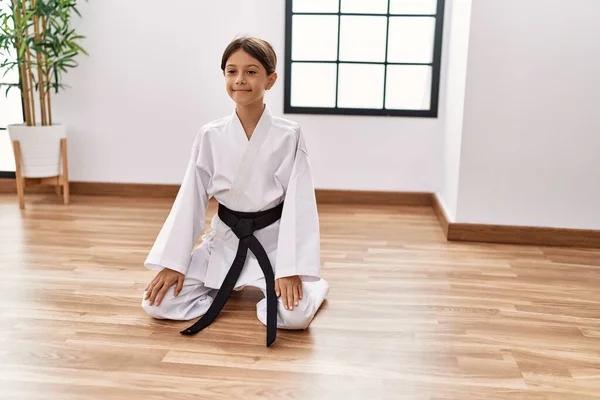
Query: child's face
x=246, y=79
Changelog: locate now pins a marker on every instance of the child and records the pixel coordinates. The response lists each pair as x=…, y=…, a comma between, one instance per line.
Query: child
x=266, y=232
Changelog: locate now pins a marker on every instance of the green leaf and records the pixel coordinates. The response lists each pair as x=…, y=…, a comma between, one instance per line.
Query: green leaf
x=59, y=43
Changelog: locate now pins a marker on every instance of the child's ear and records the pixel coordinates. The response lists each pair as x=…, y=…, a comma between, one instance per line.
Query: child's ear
x=272, y=80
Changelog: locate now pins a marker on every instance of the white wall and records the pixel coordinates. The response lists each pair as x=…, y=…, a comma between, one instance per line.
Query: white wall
x=458, y=19
x=148, y=85
x=522, y=149
x=531, y=141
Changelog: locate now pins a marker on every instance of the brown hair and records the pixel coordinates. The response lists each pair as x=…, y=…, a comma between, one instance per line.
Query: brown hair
x=257, y=48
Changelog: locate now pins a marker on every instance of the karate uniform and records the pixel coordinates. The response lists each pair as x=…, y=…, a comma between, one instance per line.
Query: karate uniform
x=245, y=175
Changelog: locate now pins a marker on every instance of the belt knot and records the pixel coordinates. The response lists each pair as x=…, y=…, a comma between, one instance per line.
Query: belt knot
x=244, y=228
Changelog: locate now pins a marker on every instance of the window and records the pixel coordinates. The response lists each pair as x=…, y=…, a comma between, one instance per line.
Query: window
x=357, y=57
x=11, y=111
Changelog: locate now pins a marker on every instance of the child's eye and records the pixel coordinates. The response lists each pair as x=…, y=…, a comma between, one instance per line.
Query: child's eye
x=231, y=71
x=252, y=72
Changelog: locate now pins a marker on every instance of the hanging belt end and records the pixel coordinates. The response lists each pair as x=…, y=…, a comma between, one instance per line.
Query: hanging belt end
x=189, y=331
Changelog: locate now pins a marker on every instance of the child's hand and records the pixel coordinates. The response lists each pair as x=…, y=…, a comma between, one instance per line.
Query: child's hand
x=161, y=283
x=290, y=290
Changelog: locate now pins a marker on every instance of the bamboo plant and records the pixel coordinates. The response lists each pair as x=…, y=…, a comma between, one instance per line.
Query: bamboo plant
x=37, y=39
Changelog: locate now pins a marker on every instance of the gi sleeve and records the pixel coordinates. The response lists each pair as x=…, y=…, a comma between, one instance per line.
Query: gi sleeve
x=184, y=224
x=298, y=248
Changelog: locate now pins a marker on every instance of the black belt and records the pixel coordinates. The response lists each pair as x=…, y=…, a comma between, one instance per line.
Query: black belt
x=243, y=225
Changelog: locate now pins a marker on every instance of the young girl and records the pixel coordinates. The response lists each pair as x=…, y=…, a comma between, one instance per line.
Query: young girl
x=266, y=232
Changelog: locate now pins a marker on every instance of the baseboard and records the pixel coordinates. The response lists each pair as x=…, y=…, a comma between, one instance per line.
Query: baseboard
x=525, y=235
x=373, y=198
x=508, y=234
x=440, y=213
x=170, y=191
x=8, y=185
x=124, y=189
x=459, y=232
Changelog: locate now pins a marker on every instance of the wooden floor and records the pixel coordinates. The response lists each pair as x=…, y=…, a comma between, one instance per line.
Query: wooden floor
x=409, y=316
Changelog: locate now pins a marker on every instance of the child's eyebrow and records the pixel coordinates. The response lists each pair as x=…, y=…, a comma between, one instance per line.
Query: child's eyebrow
x=249, y=65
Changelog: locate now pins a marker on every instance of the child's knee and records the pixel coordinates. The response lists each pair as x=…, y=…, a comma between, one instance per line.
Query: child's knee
x=191, y=302
x=298, y=318
x=302, y=314
x=160, y=311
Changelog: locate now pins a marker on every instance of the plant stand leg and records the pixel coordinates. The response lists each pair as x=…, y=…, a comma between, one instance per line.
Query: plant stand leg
x=19, y=174
x=65, y=171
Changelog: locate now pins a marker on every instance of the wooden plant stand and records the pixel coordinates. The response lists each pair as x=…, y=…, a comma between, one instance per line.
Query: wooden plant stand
x=60, y=181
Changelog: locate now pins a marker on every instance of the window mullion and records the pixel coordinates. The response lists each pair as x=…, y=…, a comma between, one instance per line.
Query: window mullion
x=337, y=74
x=385, y=64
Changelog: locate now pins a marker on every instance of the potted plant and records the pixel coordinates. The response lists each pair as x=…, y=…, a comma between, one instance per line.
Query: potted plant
x=37, y=40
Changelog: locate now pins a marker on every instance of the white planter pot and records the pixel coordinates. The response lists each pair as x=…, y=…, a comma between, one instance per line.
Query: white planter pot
x=40, y=149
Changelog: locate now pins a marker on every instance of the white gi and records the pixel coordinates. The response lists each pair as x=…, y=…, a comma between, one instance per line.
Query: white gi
x=248, y=176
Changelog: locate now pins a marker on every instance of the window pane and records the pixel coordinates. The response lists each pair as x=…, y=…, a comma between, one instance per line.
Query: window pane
x=7, y=159
x=363, y=39
x=10, y=106
x=365, y=7
x=11, y=109
x=8, y=75
x=413, y=6
x=411, y=39
x=314, y=38
x=313, y=85
x=361, y=86
x=408, y=87
x=316, y=6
